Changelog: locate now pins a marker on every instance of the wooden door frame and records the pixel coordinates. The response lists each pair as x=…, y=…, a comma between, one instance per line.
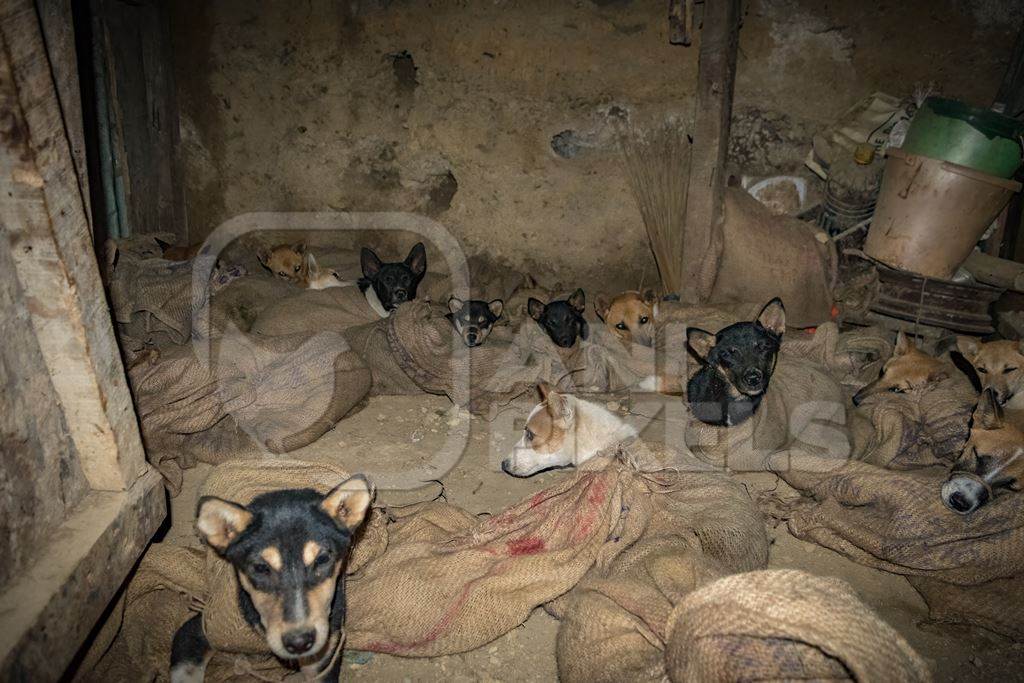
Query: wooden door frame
x=50, y=609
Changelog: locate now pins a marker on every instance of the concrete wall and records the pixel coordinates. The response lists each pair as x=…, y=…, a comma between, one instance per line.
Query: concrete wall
x=450, y=108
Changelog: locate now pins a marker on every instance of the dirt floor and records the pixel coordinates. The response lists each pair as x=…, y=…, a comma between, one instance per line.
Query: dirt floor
x=405, y=442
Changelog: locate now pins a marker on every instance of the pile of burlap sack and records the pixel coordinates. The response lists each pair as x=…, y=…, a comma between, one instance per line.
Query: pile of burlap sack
x=654, y=572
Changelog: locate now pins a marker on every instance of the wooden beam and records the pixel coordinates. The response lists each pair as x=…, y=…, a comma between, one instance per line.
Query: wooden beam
x=51, y=608
x=702, y=239
x=42, y=216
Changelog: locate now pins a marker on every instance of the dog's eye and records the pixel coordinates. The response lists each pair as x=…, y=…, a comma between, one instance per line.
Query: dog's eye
x=297, y=268
x=260, y=569
x=322, y=559
x=1007, y=371
x=982, y=370
x=898, y=390
x=529, y=435
x=621, y=326
x=644, y=319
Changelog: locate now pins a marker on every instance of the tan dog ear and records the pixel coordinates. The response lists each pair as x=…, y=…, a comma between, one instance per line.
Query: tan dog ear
x=535, y=308
x=649, y=296
x=543, y=389
x=496, y=306
x=311, y=265
x=969, y=347
x=903, y=344
x=601, y=307
x=220, y=522
x=454, y=304
x=700, y=342
x=773, y=317
x=556, y=404
x=299, y=247
x=348, y=502
x=988, y=414
x=578, y=300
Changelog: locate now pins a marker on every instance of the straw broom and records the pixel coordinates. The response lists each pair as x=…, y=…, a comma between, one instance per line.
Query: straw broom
x=657, y=161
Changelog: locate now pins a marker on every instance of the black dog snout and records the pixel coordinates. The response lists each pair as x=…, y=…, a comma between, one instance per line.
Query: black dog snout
x=471, y=338
x=298, y=641
x=959, y=502
x=753, y=377
x=401, y=295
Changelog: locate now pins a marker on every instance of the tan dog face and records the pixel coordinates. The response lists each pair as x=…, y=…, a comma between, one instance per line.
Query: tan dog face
x=999, y=364
x=547, y=437
x=630, y=316
x=992, y=460
x=286, y=261
x=908, y=369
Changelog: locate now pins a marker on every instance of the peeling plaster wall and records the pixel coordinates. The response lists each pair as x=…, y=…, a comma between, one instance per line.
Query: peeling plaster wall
x=451, y=108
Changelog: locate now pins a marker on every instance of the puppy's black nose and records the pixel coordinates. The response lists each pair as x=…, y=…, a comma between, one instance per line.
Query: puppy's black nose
x=401, y=295
x=959, y=502
x=504, y=467
x=753, y=377
x=298, y=641
x=471, y=338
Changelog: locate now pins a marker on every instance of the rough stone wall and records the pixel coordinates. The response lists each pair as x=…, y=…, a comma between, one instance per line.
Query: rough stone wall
x=494, y=116
x=40, y=477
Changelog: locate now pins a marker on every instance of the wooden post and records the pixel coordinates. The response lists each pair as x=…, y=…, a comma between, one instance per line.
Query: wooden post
x=702, y=240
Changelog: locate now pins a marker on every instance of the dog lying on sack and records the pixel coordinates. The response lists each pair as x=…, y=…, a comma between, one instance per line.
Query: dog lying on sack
x=992, y=460
x=748, y=400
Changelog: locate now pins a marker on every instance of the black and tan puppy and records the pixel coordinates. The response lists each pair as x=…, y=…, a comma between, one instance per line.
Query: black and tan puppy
x=563, y=319
x=992, y=460
x=736, y=366
x=473, y=319
x=288, y=550
x=386, y=285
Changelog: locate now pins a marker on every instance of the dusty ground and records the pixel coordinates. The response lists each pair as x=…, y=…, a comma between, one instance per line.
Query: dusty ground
x=397, y=438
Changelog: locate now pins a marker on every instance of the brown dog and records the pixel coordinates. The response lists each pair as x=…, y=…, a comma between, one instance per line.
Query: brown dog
x=286, y=261
x=630, y=315
x=908, y=369
x=1000, y=367
x=992, y=460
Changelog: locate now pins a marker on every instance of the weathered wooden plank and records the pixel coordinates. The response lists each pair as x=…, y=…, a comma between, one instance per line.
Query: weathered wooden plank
x=59, y=35
x=43, y=218
x=702, y=239
x=51, y=608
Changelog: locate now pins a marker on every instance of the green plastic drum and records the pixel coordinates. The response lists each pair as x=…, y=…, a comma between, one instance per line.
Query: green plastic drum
x=970, y=136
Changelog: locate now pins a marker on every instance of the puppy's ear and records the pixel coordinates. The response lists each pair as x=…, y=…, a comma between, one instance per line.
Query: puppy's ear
x=988, y=414
x=299, y=247
x=700, y=342
x=164, y=246
x=578, y=300
x=773, y=317
x=584, y=329
x=649, y=296
x=496, y=306
x=220, y=522
x=535, y=308
x=454, y=304
x=903, y=344
x=556, y=404
x=417, y=259
x=263, y=254
x=348, y=502
x=543, y=389
x=369, y=262
x=969, y=347
x=601, y=307
x=311, y=264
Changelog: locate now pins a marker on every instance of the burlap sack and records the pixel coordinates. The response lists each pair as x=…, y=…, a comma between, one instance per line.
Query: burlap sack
x=784, y=625
x=310, y=311
x=804, y=410
x=917, y=429
x=249, y=396
x=699, y=526
x=764, y=256
x=965, y=567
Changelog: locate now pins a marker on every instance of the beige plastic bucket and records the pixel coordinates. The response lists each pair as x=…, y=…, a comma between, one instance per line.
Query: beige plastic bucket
x=931, y=213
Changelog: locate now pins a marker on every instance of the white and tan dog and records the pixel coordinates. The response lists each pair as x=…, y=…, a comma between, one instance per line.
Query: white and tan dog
x=564, y=430
x=1000, y=367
